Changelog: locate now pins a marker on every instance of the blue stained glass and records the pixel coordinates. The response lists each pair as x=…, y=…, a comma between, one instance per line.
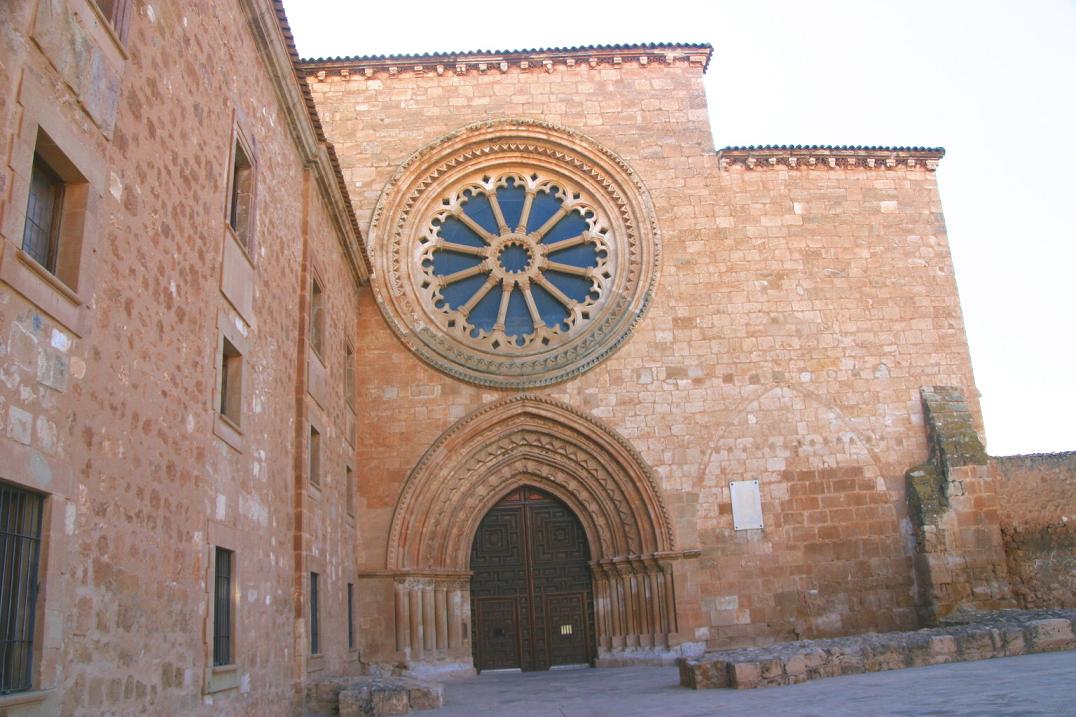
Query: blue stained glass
x=479, y=209
x=455, y=231
x=514, y=258
x=570, y=226
x=457, y=293
x=583, y=255
x=511, y=199
x=551, y=310
x=449, y=262
x=484, y=314
x=517, y=322
x=574, y=287
x=544, y=206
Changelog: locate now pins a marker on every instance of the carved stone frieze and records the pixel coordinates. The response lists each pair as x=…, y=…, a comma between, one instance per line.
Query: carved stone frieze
x=514, y=253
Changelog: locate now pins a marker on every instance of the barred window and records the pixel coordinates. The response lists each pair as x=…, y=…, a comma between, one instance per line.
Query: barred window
x=350, y=616
x=222, y=608
x=20, y=547
x=41, y=233
x=315, y=627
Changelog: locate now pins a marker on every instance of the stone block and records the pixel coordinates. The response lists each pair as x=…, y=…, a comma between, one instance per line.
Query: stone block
x=745, y=675
x=426, y=696
x=1050, y=634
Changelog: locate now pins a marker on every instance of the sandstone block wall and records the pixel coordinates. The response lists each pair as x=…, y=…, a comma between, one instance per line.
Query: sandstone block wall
x=1038, y=524
x=798, y=311
x=111, y=412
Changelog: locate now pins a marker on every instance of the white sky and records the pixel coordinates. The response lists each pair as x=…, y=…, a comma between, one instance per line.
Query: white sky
x=993, y=82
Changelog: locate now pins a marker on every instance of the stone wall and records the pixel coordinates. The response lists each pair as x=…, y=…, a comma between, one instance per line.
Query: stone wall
x=801, y=304
x=110, y=408
x=1038, y=525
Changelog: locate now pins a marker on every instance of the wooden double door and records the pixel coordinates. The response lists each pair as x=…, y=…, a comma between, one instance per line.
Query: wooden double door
x=531, y=588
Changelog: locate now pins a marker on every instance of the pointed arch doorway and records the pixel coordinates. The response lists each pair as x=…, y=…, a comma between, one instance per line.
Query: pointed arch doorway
x=531, y=587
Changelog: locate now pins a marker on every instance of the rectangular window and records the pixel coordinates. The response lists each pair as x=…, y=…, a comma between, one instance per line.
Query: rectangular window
x=231, y=382
x=317, y=320
x=117, y=12
x=350, y=617
x=315, y=628
x=349, y=491
x=315, y=457
x=20, y=548
x=222, y=608
x=41, y=233
x=349, y=374
x=240, y=201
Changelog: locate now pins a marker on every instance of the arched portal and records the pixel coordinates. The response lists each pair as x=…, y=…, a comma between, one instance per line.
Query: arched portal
x=532, y=602
x=639, y=581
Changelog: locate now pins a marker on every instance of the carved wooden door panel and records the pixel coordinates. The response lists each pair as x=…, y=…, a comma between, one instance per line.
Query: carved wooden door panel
x=531, y=588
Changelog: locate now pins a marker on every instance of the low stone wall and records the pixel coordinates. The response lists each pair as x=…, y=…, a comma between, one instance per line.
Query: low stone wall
x=1000, y=634
x=1038, y=525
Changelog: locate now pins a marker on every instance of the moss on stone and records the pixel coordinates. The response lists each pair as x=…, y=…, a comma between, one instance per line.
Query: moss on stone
x=927, y=497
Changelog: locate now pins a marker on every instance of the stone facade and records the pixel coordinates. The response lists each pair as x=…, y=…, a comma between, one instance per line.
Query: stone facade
x=177, y=380
x=107, y=401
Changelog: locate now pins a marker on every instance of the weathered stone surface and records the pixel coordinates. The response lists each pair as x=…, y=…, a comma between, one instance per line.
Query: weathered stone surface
x=1004, y=633
x=376, y=696
x=1038, y=525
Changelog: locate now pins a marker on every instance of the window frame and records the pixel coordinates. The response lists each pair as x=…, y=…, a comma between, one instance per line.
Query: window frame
x=33, y=611
x=229, y=600
x=314, y=456
x=225, y=427
x=350, y=377
x=117, y=20
x=316, y=317
x=218, y=678
x=350, y=604
x=244, y=236
x=72, y=153
x=350, y=492
x=314, y=598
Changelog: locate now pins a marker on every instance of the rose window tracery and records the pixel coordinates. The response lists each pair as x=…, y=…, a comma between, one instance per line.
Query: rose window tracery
x=515, y=259
x=513, y=253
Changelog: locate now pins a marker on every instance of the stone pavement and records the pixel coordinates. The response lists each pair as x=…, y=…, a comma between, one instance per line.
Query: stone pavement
x=1029, y=686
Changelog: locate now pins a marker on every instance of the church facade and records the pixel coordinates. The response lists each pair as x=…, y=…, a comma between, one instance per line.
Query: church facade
x=451, y=363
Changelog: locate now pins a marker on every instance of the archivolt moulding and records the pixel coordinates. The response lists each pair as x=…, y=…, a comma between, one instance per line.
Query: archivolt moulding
x=537, y=441
x=514, y=253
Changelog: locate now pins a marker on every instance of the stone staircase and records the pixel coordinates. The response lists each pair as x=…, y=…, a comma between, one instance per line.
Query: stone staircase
x=985, y=635
x=371, y=696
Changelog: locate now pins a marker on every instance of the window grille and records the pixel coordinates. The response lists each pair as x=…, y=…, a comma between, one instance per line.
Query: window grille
x=40, y=234
x=222, y=608
x=350, y=616
x=20, y=547
x=315, y=627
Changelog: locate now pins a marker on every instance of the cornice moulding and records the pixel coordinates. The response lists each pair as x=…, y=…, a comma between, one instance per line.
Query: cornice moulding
x=483, y=61
x=830, y=157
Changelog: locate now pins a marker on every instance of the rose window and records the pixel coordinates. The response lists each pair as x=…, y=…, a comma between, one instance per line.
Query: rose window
x=515, y=260
x=513, y=253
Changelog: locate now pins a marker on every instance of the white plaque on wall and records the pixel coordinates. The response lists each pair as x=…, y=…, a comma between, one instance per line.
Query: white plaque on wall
x=746, y=505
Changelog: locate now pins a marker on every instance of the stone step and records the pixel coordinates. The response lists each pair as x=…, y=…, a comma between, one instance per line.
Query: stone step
x=999, y=634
